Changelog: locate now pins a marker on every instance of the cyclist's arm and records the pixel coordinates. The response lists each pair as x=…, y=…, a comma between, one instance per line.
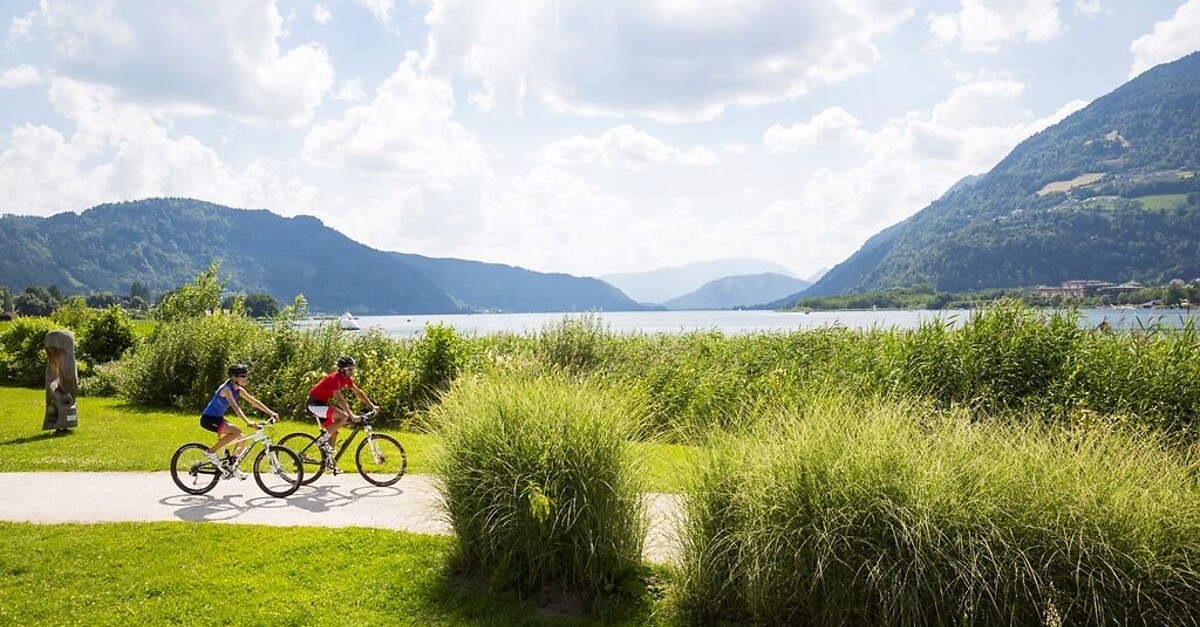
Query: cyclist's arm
x=258, y=404
x=362, y=396
x=233, y=404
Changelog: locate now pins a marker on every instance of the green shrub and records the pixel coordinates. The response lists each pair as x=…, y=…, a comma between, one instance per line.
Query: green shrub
x=539, y=481
x=859, y=512
x=439, y=357
x=186, y=360
x=107, y=336
x=23, y=351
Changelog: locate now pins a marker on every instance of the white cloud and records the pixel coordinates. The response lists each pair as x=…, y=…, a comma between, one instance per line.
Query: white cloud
x=984, y=25
x=1168, y=40
x=381, y=9
x=20, y=76
x=190, y=55
x=350, y=91
x=909, y=161
x=321, y=14
x=623, y=146
x=833, y=125
x=1090, y=8
x=21, y=27
x=120, y=151
x=408, y=131
x=669, y=60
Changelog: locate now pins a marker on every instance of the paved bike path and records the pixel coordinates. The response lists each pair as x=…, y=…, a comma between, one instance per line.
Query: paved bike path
x=345, y=500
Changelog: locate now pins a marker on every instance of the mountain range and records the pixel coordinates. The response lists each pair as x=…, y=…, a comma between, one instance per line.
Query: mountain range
x=739, y=291
x=164, y=242
x=1111, y=192
x=663, y=284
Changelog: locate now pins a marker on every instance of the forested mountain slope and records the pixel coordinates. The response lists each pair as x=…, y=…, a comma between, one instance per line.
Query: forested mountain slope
x=1109, y=193
x=164, y=242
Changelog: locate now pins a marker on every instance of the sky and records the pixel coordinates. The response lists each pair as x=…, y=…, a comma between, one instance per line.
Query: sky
x=580, y=137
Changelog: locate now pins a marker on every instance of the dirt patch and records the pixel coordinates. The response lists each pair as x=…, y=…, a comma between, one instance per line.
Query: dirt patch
x=1066, y=186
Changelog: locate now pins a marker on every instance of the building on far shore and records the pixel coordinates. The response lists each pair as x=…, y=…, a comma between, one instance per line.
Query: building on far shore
x=1083, y=288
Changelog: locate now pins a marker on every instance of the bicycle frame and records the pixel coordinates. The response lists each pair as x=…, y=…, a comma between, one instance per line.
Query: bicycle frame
x=258, y=435
x=355, y=428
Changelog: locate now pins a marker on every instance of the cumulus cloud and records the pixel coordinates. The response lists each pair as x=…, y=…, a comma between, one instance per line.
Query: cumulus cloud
x=321, y=14
x=19, y=76
x=908, y=162
x=669, y=60
x=1168, y=40
x=381, y=9
x=832, y=125
x=190, y=55
x=623, y=146
x=408, y=131
x=1090, y=8
x=983, y=25
x=118, y=150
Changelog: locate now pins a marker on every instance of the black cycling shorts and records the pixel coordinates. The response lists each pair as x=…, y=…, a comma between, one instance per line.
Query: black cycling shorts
x=212, y=423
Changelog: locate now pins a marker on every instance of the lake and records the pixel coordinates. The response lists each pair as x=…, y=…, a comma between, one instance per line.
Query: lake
x=739, y=322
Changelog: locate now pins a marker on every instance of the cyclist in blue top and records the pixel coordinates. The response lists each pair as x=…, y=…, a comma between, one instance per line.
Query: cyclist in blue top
x=226, y=396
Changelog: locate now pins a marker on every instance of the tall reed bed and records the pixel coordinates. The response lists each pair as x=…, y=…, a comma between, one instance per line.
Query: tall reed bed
x=540, y=483
x=858, y=512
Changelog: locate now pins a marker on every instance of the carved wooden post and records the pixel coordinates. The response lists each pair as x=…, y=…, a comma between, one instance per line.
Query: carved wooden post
x=62, y=384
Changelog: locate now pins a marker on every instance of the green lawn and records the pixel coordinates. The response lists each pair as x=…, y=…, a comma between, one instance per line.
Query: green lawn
x=204, y=574
x=1163, y=202
x=115, y=436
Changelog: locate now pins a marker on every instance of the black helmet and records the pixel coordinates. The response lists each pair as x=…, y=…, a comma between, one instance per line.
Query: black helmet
x=239, y=370
x=345, y=361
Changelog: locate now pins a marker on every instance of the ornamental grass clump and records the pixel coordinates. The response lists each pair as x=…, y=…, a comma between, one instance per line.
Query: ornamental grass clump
x=862, y=512
x=539, y=481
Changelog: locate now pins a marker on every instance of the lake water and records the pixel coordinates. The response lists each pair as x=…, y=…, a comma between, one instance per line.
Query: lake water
x=739, y=322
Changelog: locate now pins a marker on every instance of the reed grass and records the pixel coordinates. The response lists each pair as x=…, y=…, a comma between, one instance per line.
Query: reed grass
x=540, y=481
x=861, y=512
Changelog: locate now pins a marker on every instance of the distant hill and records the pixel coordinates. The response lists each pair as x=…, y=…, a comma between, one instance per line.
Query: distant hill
x=164, y=242
x=739, y=291
x=663, y=284
x=1109, y=193
x=480, y=286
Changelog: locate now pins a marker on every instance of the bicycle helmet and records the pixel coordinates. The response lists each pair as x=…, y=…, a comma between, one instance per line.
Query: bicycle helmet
x=345, y=361
x=239, y=370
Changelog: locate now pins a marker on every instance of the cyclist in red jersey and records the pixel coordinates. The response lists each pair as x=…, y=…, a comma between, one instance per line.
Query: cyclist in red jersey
x=325, y=401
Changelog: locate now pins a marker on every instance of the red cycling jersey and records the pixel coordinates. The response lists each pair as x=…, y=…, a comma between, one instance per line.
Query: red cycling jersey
x=332, y=383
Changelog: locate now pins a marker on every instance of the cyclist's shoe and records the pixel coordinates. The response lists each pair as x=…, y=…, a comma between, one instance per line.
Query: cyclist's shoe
x=216, y=461
x=232, y=472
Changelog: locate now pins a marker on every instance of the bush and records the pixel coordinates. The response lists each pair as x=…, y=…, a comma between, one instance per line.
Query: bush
x=23, y=351
x=539, y=483
x=439, y=356
x=186, y=360
x=107, y=336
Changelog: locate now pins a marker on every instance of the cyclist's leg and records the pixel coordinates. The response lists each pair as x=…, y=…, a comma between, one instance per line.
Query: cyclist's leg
x=228, y=433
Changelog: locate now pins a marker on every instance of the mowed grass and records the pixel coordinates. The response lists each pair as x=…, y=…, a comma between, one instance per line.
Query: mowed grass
x=1163, y=202
x=116, y=436
x=204, y=574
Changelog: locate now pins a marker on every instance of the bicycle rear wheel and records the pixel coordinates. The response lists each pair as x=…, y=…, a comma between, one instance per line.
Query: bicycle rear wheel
x=191, y=469
x=381, y=459
x=311, y=455
x=278, y=471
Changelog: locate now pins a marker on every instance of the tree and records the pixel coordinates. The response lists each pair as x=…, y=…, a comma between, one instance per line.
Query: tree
x=139, y=290
x=35, y=300
x=259, y=305
x=102, y=300
x=192, y=300
x=107, y=336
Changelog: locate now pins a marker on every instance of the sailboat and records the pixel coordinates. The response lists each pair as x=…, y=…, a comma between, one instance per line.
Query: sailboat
x=348, y=322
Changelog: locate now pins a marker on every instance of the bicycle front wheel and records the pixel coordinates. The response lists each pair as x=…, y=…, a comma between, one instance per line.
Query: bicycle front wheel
x=381, y=459
x=311, y=455
x=192, y=471
x=278, y=471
